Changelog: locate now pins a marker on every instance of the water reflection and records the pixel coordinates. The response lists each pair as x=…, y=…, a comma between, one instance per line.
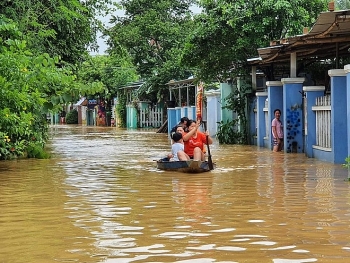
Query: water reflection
x=101, y=199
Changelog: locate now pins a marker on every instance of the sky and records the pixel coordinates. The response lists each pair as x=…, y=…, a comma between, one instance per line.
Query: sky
x=105, y=19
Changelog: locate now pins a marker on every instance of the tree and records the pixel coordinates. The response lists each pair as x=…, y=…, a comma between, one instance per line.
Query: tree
x=64, y=28
x=31, y=86
x=229, y=32
x=112, y=72
x=153, y=33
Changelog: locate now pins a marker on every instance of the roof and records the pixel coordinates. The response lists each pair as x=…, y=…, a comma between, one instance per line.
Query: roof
x=185, y=83
x=331, y=32
x=133, y=85
x=81, y=102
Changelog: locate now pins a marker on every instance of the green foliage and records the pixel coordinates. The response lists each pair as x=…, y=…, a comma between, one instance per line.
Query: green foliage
x=121, y=109
x=35, y=150
x=228, y=134
x=228, y=33
x=59, y=28
x=31, y=85
x=153, y=33
x=109, y=73
x=347, y=166
x=72, y=117
x=347, y=162
x=236, y=131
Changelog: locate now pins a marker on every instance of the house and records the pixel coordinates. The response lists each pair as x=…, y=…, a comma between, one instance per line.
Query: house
x=141, y=113
x=315, y=115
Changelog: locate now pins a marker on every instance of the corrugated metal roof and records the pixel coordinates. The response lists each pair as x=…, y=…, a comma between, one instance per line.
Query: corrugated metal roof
x=331, y=32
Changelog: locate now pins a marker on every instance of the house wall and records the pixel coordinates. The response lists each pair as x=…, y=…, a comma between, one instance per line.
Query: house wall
x=299, y=118
x=292, y=115
x=311, y=93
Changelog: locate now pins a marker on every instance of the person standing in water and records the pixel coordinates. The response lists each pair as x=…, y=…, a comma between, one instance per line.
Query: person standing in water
x=277, y=131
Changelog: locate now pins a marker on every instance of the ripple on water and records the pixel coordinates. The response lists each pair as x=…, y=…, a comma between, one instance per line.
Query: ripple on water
x=101, y=199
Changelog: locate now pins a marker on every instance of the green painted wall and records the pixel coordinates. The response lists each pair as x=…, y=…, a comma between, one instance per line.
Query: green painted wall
x=131, y=117
x=226, y=89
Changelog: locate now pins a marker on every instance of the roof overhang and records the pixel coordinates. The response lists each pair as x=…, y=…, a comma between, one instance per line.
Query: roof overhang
x=186, y=83
x=132, y=86
x=328, y=38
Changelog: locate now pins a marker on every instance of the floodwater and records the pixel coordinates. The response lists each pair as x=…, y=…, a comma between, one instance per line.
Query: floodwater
x=101, y=199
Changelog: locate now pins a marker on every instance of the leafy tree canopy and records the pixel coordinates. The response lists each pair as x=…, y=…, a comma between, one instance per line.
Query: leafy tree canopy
x=227, y=33
x=153, y=32
x=31, y=86
x=64, y=28
x=111, y=71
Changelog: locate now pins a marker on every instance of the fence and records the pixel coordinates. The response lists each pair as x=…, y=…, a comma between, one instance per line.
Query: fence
x=150, y=116
x=323, y=121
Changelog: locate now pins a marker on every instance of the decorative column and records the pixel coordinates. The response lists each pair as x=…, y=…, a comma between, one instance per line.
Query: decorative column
x=292, y=114
x=310, y=93
x=260, y=118
x=275, y=101
x=213, y=111
x=339, y=131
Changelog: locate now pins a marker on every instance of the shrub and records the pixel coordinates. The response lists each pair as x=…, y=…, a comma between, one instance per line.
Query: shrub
x=72, y=117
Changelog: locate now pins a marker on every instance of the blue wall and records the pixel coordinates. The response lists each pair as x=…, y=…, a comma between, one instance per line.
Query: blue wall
x=292, y=115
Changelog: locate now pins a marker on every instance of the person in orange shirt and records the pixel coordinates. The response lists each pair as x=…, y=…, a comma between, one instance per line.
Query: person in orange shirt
x=194, y=141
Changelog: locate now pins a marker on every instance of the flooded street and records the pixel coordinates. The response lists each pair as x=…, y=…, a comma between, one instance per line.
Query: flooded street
x=101, y=199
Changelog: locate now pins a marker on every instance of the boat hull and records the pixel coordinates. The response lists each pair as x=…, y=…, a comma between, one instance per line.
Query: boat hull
x=189, y=166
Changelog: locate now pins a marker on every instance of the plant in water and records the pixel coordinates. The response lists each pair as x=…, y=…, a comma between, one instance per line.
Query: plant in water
x=347, y=166
x=72, y=117
x=228, y=134
x=236, y=131
x=121, y=109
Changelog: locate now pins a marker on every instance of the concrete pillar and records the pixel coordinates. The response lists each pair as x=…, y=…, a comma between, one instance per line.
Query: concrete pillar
x=213, y=111
x=192, y=113
x=172, y=120
x=183, y=112
x=338, y=124
x=275, y=101
x=311, y=93
x=254, y=78
x=292, y=114
x=293, y=65
x=178, y=114
x=347, y=71
x=261, y=120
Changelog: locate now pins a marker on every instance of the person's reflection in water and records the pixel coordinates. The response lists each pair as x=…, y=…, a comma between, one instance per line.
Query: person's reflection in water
x=195, y=196
x=278, y=174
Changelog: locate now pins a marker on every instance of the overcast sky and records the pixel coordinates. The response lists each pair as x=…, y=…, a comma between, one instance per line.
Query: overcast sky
x=101, y=42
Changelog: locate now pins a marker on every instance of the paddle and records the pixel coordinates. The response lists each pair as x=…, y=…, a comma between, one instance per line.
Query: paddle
x=210, y=161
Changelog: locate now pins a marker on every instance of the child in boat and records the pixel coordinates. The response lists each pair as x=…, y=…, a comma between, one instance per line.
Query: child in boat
x=178, y=149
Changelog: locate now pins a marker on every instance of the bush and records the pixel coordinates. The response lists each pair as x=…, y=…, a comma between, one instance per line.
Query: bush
x=72, y=117
x=35, y=150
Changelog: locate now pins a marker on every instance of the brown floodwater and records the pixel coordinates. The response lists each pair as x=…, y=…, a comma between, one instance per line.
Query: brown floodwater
x=101, y=199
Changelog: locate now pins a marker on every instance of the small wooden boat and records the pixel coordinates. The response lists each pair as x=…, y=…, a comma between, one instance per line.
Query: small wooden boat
x=189, y=166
